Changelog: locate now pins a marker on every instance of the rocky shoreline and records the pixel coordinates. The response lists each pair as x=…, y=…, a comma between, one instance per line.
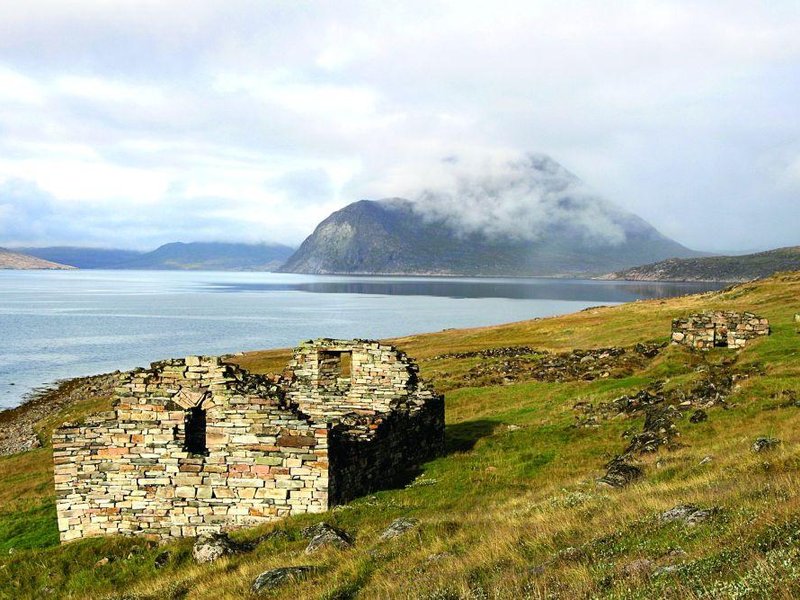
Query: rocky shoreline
x=19, y=425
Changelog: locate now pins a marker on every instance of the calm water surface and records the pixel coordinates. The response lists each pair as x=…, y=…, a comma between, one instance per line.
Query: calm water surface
x=58, y=324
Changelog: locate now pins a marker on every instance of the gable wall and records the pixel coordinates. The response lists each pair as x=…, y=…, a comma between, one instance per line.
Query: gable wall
x=127, y=471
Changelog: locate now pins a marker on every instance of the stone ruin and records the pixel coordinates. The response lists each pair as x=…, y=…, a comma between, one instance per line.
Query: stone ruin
x=711, y=329
x=197, y=446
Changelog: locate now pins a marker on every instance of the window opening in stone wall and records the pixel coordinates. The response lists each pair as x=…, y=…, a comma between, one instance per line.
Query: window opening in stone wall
x=335, y=368
x=195, y=431
x=720, y=335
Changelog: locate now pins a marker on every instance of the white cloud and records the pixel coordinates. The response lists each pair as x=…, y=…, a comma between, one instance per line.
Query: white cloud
x=671, y=109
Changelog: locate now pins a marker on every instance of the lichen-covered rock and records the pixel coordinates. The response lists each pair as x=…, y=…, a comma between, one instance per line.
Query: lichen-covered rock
x=620, y=473
x=765, y=443
x=689, y=514
x=324, y=535
x=276, y=577
x=213, y=546
x=699, y=416
x=399, y=527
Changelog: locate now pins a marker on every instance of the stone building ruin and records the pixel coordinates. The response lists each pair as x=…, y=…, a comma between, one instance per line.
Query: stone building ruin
x=197, y=445
x=712, y=329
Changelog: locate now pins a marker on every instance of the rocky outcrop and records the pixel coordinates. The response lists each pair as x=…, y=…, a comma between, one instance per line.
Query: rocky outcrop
x=210, y=547
x=323, y=535
x=688, y=514
x=274, y=578
x=399, y=527
x=619, y=473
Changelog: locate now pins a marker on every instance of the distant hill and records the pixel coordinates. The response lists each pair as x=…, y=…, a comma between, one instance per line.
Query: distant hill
x=17, y=260
x=716, y=268
x=211, y=256
x=83, y=258
x=174, y=256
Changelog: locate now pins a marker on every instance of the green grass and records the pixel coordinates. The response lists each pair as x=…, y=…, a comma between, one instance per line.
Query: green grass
x=512, y=510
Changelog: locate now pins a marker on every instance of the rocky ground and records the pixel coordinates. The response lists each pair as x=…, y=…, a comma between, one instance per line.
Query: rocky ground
x=523, y=363
x=19, y=427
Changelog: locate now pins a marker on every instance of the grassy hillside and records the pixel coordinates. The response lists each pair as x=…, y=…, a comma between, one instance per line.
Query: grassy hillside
x=513, y=510
x=716, y=268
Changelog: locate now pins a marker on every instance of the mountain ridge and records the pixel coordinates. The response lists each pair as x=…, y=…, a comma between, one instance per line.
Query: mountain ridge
x=714, y=268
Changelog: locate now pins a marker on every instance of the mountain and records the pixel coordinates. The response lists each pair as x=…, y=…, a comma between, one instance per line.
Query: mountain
x=17, y=260
x=532, y=219
x=83, y=258
x=211, y=256
x=715, y=268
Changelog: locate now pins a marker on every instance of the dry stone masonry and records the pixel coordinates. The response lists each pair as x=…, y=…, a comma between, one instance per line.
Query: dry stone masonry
x=718, y=329
x=197, y=446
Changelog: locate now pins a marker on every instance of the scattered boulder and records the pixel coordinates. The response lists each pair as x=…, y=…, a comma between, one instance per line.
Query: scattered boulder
x=765, y=443
x=399, y=527
x=276, y=577
x=698, y=416
x=212, y=546
x=620, y=473
x=102, y=562
x=659, y=429
x=323, y=535
x=689, y=514
x=161, y=560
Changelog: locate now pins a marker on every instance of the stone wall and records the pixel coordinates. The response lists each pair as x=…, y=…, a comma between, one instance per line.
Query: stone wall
x=718, y=329
x=196, y=445
x=380, y=377
x=128, y=471
x=369, y=454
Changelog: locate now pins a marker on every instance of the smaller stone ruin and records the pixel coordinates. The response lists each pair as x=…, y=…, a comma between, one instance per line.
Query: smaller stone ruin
x=718, y=329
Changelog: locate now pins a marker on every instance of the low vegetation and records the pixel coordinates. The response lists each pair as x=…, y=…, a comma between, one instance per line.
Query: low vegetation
x=513, y=510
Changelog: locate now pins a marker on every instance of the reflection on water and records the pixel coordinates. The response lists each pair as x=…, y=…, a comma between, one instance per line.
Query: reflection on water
x=517, y=289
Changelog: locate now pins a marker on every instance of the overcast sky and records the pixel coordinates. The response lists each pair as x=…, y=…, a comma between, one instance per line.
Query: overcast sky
x=131, y=124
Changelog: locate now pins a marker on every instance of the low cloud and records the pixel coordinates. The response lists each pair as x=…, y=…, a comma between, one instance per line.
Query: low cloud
x=521, y=198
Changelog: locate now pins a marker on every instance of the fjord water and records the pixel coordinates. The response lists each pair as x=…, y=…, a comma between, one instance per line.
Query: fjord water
x=60, y=324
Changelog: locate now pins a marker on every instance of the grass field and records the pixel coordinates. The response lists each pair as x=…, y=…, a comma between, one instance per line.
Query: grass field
x=513, y=509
